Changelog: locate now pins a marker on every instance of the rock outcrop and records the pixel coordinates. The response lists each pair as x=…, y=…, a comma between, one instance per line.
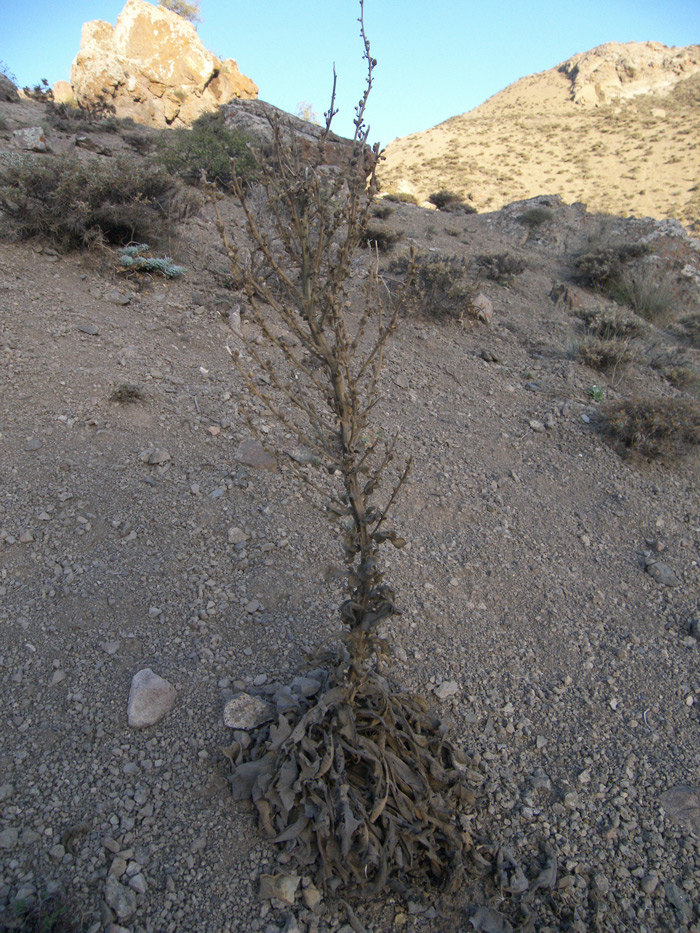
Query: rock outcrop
x=616, y=70
x=153, y=67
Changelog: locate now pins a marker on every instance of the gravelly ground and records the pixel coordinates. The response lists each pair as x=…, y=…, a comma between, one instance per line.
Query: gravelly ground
x=523, y=581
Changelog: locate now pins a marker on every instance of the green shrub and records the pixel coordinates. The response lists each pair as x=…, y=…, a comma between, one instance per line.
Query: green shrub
x=75, y=203
x=401, y=197
x=382, y=211
x=211, y=149
x=439, y=287
x=133, y=259
x=500, y=267
x=601, y=267
x=443, y=198
x=535, y=217
x=656, y=428
x=381, y=237
x=51, y=913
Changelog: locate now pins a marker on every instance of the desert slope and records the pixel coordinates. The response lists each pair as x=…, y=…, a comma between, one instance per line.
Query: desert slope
x=616, y=128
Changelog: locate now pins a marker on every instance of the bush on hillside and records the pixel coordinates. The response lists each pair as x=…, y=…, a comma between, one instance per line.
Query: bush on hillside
x=500, y=267
x=76, y=203
x=438, y=287
x=209, y=149
x=656, y=428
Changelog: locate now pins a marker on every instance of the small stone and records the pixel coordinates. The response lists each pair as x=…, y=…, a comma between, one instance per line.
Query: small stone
x=694, y=629
x=6, y=791
x=305, y=686
x=448, y=688
x=117, y=297
x=8, y=838
x=679, y=899
x=252, y=453
x=661, y=572
x=482, y=306
x=57, y=851
x=259, y=680
x=34, y=443
x=283, y=887
x=252, y=607
x=549, y=422
x=57, y=677
x=601, y=885
x=138, y=883
x=122, y=900
x=26, y=537
x=312, y=896
x=649, y=883
x=247, y=712
x=571, y=801
x=92, y=330
x=155, y=456
x=537, y=426
x=214, y=430
x=682, y=805
x=150, y=698
x=237, y=536
x=111, y=647
x=31, y=138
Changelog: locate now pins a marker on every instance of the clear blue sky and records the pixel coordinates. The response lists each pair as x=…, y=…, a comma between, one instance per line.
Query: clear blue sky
x=437, y=58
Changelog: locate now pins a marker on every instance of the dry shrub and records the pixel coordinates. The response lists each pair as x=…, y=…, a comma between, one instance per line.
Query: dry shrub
x=608, y=323
x=382, y=211
x=381, y=237
x=75, y=203
x=358, y=782
x=646, y=293
x=51, y=913
x=439, y=287
x=604, y=353
x=601, y=266
x=361, y=786
x=689, y=328
x=656, y=428
x=401, y=197
x=500, y=267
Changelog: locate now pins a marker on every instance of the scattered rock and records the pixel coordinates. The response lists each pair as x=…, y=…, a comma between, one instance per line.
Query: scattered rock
x=92, y=330
x=150, y=699
x=680, y=900
x=247, y=712
x=237, y=536
x=448, y=688
x=682, y=805
x=487, y=920
x=31, y=138
x=116, y=297
x=661, y=572
x=8, y=91
x=155, y=456
x=8, y=838
x=483, y=308
x=122, y=900
x=252, y=453
x=283, y=887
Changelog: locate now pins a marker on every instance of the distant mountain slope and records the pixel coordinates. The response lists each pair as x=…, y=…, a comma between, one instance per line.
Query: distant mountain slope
x=617, y=128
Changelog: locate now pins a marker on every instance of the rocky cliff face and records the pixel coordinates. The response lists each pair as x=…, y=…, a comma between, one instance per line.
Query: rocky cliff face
x=614, y=70
x=153, y=67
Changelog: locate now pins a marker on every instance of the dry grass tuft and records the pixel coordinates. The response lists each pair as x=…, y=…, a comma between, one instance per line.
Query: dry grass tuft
x=656, y=428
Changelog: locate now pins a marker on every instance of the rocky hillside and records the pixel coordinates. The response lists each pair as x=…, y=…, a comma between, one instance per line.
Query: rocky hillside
x=615, y=128
x=549, y=587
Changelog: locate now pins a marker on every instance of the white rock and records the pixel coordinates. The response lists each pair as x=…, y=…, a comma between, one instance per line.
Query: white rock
x=150, y=698
x=246, y=712
x=448, y=688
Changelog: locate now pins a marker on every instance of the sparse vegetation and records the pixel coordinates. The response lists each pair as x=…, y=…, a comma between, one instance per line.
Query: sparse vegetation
x=50, y=913
x=187, y=9
x=535, y=217
x=380, y=787
x=500, y=267
x=604, y=353
x=134, y=258
x=608, y=323
x=647, y=293
x=381, y=237
x=689, y=327
x=126, y=393
x=655, y=428
x=401, y=197
x=439, y=287
x=601, y=266
x=76, y=203
x=443, y=198
x=210, y=150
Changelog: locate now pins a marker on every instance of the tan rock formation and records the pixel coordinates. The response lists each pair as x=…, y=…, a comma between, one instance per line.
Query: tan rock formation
x=616, y=70
x=153, y=67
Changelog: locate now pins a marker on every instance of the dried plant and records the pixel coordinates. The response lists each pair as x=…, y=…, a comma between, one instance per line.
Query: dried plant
x=657, y=428
x=360, y=782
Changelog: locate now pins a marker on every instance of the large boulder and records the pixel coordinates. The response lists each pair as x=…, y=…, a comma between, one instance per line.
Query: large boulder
x=622, y=70
x=153, y=67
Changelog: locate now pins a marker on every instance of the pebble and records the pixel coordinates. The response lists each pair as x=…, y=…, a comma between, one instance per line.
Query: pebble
x=116, y=297
x=448, y=688
x=150, y=699
x=8, y=838
x=661, y=572
x=537, y=426
x=252, y=453
x=247, y=712
x=283, y=887
x=122, y=900
x=90, y=329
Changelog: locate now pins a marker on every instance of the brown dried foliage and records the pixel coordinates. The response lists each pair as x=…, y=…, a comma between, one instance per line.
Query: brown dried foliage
x=656, y=428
